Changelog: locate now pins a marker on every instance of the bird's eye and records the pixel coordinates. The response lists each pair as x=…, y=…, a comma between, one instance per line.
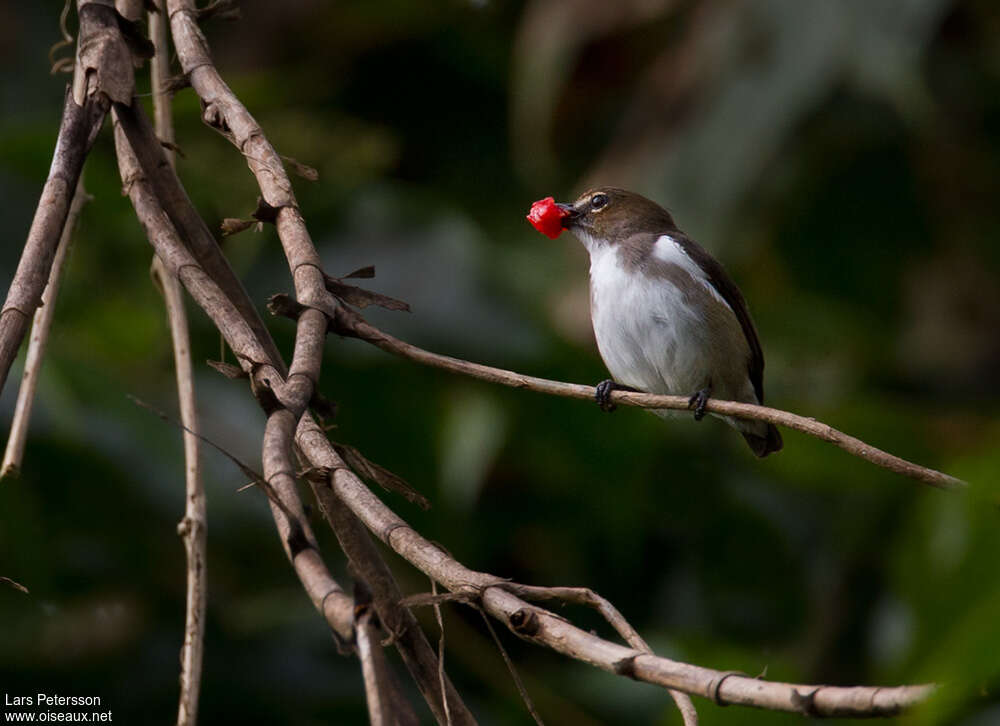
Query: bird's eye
x=598, y=201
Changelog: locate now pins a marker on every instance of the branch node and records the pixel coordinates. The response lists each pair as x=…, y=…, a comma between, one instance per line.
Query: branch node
x=626, y=667
x=265, y=212
x=297, y=539
x=524, y=622
x=712, y=692
x=386, y=536
x=213, y=116
x=805, y=703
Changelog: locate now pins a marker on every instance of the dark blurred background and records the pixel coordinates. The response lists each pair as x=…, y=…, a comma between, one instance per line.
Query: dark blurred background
x=841, y=159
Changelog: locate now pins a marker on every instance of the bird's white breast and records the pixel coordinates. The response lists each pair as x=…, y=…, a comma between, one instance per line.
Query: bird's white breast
x=645, y=326
x=662, y=327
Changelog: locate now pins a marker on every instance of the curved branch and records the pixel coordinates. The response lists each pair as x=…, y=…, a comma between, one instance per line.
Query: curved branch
x=80, y=124
x=586, y=596
x=427, y=670
x=544, y=628
x=533, y=623
x=40, y=327
x=352, y=324
x=327, y=596
x=224, y=112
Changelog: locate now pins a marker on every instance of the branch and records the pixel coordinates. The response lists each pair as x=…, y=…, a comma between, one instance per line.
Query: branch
x=407, y=635
x=224, y=112
x=40, y=327
x=264, y=370
x=159, y=175
x=192, y=528
x=547, y=629
x=586, y=596
x=374, y=669
x=352, y=324
x=327, y=596
x=80, y=124
x=284, y=401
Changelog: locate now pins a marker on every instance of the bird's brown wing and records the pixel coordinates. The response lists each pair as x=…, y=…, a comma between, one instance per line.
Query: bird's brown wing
x=718, y=278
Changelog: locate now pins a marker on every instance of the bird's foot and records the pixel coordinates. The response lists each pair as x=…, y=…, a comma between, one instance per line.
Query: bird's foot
x=602, y=394
x=698, y=401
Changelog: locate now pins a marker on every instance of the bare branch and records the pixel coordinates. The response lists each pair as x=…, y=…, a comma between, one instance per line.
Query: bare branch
x=80, y=124
x=224, y=112
x=296, y=534
x=40, y=327
x=374, y=669
x=441, y=673
x=586, y=596
x=328, y=597
x=350, y=323
x=14, y=584
x=285, y=401
x=583, y=596
x=409, y=638
x=162, y=180
x=544, y=628
x=386, y=702
x=130, y=10
x=193, y=527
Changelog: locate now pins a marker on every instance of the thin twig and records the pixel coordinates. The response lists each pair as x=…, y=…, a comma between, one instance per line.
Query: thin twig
x=513, y=672
x=14, y=584
x=40, y=327
x=441, y=676
x=193, y=528
x=373, y=667
x=351, y=323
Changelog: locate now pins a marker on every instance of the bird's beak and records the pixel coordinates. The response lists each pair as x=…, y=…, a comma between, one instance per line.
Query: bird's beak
x=569, y=214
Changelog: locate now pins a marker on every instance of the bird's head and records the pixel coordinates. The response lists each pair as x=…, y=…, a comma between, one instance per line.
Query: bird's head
x=607, y=215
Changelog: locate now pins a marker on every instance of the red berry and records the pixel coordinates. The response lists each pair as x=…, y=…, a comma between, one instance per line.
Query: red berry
x=546, y=217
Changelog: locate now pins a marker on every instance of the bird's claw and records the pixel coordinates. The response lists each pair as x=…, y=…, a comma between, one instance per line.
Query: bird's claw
x=698, y=401
x=602, y=394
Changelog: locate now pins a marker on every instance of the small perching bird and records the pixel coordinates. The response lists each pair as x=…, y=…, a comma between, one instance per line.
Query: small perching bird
x=666, y=315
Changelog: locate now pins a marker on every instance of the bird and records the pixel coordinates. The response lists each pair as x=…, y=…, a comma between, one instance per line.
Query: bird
x=666, y=316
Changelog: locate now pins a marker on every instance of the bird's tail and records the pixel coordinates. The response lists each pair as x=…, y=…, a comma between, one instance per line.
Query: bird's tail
x=763, y=439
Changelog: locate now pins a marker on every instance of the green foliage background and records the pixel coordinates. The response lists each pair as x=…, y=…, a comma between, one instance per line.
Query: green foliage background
x=840, y=158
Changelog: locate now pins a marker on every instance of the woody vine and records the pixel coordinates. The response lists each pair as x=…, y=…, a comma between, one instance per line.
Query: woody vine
x=113, y=39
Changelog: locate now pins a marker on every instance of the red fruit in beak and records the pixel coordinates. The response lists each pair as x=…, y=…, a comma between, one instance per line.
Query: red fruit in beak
x=546, y=217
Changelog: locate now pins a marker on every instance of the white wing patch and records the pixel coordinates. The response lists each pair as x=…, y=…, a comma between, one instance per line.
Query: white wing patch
x=666, y=249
